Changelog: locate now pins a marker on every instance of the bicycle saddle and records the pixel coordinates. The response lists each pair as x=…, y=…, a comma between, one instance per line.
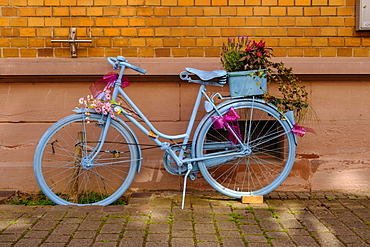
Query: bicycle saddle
x=207, y=75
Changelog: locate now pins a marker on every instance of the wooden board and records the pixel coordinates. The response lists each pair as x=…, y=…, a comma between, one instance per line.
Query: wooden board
x=252, y=199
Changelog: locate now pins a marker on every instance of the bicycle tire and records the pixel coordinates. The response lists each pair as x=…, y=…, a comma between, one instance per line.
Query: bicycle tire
x=68, y=177
x=271, y=145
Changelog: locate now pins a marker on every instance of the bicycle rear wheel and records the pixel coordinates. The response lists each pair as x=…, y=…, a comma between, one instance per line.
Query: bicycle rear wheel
x=65, y=171
x=263, y=166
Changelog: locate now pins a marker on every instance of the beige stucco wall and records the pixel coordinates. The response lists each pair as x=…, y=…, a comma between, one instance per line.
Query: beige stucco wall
x=37, y=92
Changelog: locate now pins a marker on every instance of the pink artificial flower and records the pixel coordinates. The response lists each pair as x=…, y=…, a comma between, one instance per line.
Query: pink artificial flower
x=81, y=101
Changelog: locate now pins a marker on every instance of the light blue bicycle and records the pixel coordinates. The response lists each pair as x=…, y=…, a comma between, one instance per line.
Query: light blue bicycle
x=242, y=146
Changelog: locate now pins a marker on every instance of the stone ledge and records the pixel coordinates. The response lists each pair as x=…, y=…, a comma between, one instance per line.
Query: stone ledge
x=172, y=66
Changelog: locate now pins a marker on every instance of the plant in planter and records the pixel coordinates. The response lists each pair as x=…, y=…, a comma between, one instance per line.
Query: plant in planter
x=243, y=56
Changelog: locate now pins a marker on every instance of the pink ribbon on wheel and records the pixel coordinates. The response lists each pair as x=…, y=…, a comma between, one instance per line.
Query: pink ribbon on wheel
x=228, y=121
x=300, y=130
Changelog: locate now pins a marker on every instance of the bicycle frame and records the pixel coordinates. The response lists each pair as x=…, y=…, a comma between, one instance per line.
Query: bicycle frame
x=149, y=130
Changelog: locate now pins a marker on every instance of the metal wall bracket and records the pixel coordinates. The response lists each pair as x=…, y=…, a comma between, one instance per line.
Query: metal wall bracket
x=72, y=41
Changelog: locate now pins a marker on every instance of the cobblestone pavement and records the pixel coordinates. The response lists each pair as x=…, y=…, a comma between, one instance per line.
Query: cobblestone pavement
x=209, y=219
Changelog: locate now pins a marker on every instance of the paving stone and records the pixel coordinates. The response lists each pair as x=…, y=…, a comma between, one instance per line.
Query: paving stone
x=255, y=238
x=304, y=241
x=205, y=228
x=229, y=242
x=130, y=242
x=251, y=229
x=159, y=228
x=84, y=234
x=157, y=237
x=28, y=243
x=183, y=234
x=181, y=242
x=182, y=225
x=112, y=228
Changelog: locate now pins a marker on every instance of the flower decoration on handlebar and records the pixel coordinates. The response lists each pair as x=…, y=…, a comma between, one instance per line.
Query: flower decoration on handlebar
x=101, y=99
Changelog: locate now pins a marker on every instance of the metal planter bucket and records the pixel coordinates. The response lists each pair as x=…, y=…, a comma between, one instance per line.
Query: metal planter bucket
x=246, y=83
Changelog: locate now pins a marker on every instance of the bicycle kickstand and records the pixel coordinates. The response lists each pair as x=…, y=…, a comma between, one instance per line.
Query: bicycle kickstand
x=190, y=167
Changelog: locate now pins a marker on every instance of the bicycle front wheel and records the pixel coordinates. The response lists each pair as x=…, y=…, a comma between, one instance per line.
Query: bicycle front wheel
x=266, y=159
x=67, y=171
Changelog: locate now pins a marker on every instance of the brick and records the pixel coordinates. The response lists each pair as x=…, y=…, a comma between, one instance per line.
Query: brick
x=175, y=11
x=295, y=32
x=153, y=2
x=60, y=11
x=145, y=11
x=187, y=21
x=135, y=2
x=103, y=42
x=137, y=42
x=302, y=2
x=212, y=52
x=237, y=21
x=162, y=52
x=263, y=32
x=10, y=32
x=128, y=11
x=95, y=52
x=287, y=21
x=269, y=2
x=94, y=11
x=161, y=11
x=162, y=31
x=244, y=11
x=112, y=32
x=203, y=2
x=295, y=11
x=219, y=2
x=196, y=32
x=352, y=42
x=30, y=11
x=36, y=21
x=149, y=32
x=196, y=52
x=294, y=52
x=246, y=32
x=35, y=42
x=27, y=32
x=319, y=2
x=9, y=11
x=261, y=11
x=28, y=52
x=103, y=21
x=320, y=42
x=303, y=42
x=120, y=42
x=286, y=2
x=203, y=22
x=171, y=21
x=19, y=22
x=320, y=21
x=4, y=42
x=279, y=31
x=278, y=11
x=328, y=11
x=185, y=2
x=336, y=21
x=213, y=32
x=18, y=42
x=145, y=52
x=11, y=52
x=313, y=11
x=328, y=52
x=4, y=22
x=229, y=32
x=253, y=21
x=329, y=31
x=303, y=21
x=336, y=42
x=345, y=31
x=112, y=52
x=361, y=52
x=344, y=52
x=154, y=21
x=68, y=22
x=236, y=2
x=78, y=11
x=220, y=21
x=179, y=32
x=312, y=32
x=286, y=42
x=169, y=3
x=170, y=42
x=204, y=42
x=212, y=11
x=45, y=52
x=118, y=2
x=253, y=3
x=229, y=11
x=187, y=42
x=336, y=2
x=270, y=21
x=346, y=11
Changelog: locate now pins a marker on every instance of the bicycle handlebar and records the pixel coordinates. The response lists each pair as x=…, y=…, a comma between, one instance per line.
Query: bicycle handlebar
x=120, y=61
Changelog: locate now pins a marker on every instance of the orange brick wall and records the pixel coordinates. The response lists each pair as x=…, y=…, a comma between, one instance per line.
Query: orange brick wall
x=180, y=28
